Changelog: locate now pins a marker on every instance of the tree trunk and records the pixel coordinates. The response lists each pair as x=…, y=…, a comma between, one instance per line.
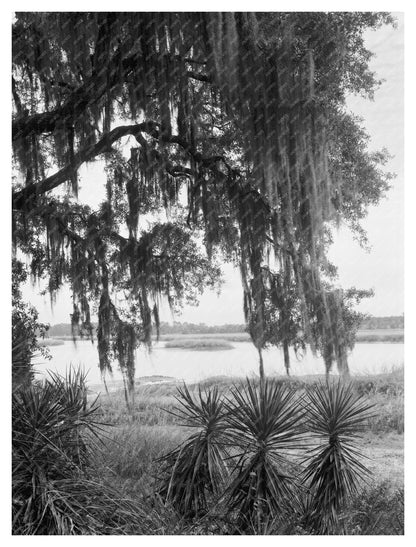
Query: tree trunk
x=261, y=367
x=105, y=384
x=342, y=363
x=286, y=356
x=131, y=392
x=328, y=366
x=128, y=394
x=328, y=356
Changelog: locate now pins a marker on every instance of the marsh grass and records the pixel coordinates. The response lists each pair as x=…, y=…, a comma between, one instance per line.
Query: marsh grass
x=50, y=342
x=378, y=509
x=129, y=458
x=154, y=401
x=208, y=344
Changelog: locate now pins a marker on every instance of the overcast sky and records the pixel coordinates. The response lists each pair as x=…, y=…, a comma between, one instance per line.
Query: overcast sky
x=381, y=269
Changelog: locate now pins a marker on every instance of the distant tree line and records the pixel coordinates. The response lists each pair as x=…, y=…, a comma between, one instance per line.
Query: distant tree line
x=372, y=323
x=389, y=322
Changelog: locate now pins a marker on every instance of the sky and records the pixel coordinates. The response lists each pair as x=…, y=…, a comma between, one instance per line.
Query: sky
x=381, y=269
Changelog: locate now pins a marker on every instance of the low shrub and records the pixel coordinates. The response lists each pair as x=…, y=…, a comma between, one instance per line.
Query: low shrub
x=53, y=490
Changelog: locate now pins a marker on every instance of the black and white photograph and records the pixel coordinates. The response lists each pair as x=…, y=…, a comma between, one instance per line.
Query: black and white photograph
x=207, y=272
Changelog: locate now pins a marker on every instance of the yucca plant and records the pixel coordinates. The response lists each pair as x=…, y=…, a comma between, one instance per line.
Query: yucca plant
x=264, y=427
x=335, y=417
x=50, y=422
x=196, y=469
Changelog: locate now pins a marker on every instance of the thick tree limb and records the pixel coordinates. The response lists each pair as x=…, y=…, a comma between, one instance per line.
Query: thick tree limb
x=45, y=122
x=21, y=197
x=76, y=103
x=198, y=76
x=87, y=94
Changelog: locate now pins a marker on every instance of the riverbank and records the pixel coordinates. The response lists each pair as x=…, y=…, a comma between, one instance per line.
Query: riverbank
x=155, y=397
x=136, y=440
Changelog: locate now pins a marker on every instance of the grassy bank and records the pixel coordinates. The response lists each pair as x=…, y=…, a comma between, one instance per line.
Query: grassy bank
x=119, y=491
x=135, y=441
x=155, y=401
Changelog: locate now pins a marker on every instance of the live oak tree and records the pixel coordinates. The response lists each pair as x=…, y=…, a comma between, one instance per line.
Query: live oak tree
x=235, y=124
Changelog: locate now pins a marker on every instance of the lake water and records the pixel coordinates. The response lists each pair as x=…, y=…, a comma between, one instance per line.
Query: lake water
x=242, y=360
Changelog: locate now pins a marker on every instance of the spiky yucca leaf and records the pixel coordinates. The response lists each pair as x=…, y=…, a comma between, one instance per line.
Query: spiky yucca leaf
x=50, y=424
x=197, y=468
x=336, y=416
x=264, y=426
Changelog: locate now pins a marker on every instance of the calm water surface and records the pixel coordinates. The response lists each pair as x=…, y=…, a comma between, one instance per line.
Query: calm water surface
x=242, y=360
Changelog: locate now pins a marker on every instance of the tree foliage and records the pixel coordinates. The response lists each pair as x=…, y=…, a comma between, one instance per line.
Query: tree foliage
x=26, y=329
x=233, y=123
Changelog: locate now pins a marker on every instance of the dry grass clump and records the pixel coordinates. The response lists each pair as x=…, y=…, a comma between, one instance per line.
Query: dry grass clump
x=128, y=459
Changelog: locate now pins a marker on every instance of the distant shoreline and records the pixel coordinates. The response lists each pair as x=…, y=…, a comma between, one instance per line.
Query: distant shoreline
x=156, y=381
x=368, y=336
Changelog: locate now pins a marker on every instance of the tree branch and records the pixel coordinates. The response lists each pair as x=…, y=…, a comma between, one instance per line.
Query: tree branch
x=45, y=122
x=76, y=103
x=198, y=76
x=22, y=197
